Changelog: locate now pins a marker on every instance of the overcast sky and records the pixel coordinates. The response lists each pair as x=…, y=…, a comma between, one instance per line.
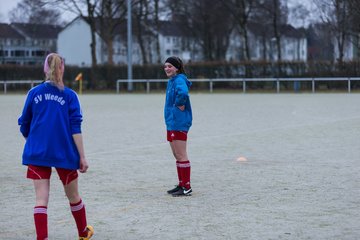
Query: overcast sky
x=7, y=5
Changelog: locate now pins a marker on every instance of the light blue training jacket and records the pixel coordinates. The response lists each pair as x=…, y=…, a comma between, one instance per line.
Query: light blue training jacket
x=49, y=119
x=177, y=94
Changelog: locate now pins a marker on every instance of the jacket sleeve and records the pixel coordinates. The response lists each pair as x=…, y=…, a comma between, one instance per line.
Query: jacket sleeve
x=181, y=91
x=75, y=114
x=26, y=116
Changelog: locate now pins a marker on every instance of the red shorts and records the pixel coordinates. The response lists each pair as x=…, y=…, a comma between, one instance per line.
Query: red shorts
x=176, y=135
x=38, y=172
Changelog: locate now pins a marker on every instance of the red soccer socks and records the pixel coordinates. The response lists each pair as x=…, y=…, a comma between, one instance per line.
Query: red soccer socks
x=179, y=172
x=184, y=170
x=79, y=214
x=40, y=219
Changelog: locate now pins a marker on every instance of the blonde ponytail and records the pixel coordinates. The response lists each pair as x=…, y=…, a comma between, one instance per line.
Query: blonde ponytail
x=54, y=69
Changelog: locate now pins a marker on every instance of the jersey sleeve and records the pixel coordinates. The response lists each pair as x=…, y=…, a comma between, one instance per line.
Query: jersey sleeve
x=75, y=114
x=26, y=116
x=182, y=91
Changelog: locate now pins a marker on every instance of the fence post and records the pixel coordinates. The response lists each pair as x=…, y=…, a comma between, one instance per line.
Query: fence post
x=296, y=86
x=313, y=85
x=349, y=85
x=147, y=86
x=277, y=85
x=244, y=85
x=117, y=86
x=5, y=87
x=211, y=85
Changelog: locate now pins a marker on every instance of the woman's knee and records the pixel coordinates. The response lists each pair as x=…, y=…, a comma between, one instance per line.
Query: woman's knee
x=181, y=157
x=42, y=191
x=71, y=191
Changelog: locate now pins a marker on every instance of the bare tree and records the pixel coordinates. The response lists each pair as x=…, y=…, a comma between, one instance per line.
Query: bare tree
x=147, y=27
x=35, y=11
x=206, y=21
x=86, y=9
x=141, y=15
x=299, y=13
x=240, y=11
x=335, y=14
x=320, y=46
x=277, y=13
x=112, y=13
x=157, y=29
x=354, y=6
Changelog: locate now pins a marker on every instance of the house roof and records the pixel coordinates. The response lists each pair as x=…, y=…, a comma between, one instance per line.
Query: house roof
x=6, y=31
x=285, y=30
x=168, y=28
x=290, y=31
x=120, y=26
x=37, y=30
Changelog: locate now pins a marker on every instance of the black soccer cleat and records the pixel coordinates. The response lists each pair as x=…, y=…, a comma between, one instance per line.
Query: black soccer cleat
x=177, y=188
x=182, y=192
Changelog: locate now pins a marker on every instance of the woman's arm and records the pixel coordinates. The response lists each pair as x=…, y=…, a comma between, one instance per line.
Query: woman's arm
x=78, y=139
x=182, y=92
x=26, y=116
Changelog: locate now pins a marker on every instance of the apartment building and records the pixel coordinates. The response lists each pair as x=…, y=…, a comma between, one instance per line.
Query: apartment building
x=25, y=43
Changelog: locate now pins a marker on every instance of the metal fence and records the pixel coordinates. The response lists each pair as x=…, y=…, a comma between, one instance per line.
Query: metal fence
x=244, y=81
x=210, y=81
x=29, y=82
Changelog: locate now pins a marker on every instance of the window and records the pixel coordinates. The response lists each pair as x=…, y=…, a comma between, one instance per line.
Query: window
x=38, y=53
x=168, y=52
x=19, y=53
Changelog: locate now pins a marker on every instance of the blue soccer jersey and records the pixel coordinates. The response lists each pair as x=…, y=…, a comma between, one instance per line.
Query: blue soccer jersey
x=49, y=119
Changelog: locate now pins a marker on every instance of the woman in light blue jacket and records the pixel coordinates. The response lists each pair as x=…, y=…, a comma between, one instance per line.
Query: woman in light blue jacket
x=178, y=120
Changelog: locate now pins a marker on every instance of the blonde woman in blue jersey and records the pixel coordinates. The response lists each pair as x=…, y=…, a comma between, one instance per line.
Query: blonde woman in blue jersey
x=51, y=124
x=178, y=120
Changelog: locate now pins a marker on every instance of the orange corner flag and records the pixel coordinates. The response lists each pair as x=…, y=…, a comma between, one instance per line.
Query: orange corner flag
x=79, y=77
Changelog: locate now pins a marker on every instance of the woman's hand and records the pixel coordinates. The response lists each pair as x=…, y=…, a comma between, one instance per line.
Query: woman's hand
x=83, y=165
x=182, y=107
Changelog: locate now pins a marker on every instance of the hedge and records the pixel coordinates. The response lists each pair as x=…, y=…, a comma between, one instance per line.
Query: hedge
x=104, y=77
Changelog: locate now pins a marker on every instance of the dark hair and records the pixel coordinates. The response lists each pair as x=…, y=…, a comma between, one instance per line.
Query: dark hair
x=176, y=62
